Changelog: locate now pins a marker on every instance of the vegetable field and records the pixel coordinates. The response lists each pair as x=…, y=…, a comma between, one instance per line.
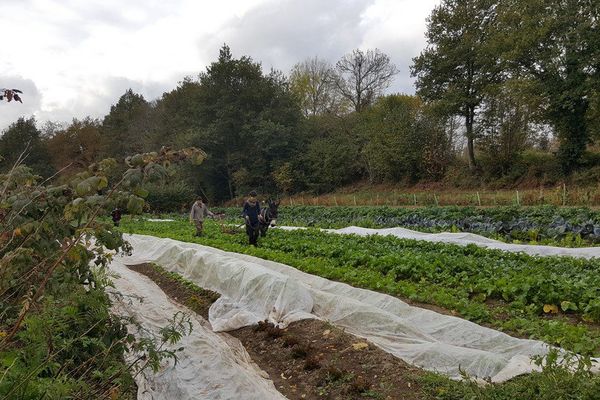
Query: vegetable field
x=544, y=224
x=555, y=299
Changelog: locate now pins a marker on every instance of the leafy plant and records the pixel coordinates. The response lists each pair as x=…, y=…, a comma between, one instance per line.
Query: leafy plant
x=572, y=227
x=503, y=289
x=57, y=336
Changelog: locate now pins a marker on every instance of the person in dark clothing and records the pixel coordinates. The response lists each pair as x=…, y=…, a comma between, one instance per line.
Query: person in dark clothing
x=116, y=216
x=251, y=213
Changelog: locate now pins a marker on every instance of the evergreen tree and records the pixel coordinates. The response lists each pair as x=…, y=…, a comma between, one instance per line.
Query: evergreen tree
x=247, y=123
x=125, y=128
x=23, y=139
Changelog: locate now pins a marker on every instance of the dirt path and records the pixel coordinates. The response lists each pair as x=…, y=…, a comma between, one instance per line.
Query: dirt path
x=310, y=359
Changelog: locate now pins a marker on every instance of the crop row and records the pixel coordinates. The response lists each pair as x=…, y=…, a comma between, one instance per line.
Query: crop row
x=511, y=223
x=577, y=384
x=511, y=291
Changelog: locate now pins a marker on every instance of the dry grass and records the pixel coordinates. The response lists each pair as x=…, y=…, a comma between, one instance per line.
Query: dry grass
x=385, y=196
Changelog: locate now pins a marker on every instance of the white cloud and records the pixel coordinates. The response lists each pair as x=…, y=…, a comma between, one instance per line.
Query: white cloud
x=397, y=27
x=75, y=58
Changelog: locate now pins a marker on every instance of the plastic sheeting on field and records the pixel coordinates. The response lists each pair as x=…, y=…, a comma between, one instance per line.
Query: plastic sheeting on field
x=210, y=366
x=253, y=289
x=465, y=239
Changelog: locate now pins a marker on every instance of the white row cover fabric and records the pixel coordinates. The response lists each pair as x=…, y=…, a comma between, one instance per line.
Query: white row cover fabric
x=211, y=366
x=253, y=289
x=465, y=239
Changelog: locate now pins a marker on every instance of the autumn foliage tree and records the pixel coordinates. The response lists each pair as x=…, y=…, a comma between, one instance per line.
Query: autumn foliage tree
x=77, y=146
x=313, y=82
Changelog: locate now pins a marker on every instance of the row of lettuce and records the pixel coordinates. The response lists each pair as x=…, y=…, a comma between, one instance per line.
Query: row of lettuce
x=544, y=223
x=555, y=299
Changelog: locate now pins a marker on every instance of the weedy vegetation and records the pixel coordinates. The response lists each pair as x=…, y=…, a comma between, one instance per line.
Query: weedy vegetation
x=58, y=338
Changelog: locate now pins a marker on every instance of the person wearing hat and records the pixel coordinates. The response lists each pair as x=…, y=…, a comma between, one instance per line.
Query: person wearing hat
x=198, y=213
x=251, y=214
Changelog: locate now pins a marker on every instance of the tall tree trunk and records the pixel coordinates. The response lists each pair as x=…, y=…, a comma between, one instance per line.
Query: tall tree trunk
x=470, y=138
x=230, y=189
x=573, y=134
x=229, y=174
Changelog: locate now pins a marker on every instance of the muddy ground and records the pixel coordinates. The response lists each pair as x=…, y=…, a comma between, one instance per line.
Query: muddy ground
x=309, y=359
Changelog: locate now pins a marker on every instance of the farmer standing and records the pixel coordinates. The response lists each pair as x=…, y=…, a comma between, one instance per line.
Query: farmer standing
x=251, y=214
x=198, y=213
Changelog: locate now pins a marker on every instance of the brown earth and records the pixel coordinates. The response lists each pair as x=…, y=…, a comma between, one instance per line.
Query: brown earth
x=191, y=296
x=309, y=359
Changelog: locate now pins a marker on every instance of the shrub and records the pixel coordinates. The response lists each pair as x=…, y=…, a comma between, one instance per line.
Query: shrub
x=172, y=197
x=57, y=336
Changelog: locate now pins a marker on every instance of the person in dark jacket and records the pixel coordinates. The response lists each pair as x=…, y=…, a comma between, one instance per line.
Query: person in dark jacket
x=251, y=213
x=116, y=216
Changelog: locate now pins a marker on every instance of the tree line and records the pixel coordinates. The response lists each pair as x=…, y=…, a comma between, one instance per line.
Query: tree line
x=504, y=89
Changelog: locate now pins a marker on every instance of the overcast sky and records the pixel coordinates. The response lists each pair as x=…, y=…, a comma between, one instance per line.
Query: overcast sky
x=74, y=58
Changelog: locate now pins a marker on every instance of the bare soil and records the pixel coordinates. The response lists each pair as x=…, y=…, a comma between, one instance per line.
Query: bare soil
x=309, y=359
x=191, y=296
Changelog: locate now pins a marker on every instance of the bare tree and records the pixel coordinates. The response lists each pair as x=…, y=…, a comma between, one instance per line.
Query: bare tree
x=363, y=76
x=313, y=82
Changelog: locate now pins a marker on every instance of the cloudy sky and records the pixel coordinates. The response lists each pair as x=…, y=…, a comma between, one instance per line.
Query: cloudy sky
x=74, y=58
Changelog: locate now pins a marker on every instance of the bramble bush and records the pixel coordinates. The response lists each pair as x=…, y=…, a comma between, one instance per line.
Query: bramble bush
x=57, y=336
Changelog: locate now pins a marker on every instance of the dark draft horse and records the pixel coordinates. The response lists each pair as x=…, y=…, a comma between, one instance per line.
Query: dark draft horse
x=268, y=217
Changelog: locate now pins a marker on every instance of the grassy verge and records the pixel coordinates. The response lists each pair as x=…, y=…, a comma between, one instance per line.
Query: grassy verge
x=384, y=195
